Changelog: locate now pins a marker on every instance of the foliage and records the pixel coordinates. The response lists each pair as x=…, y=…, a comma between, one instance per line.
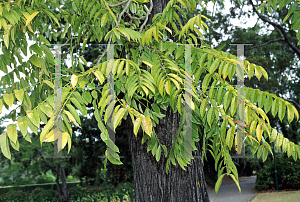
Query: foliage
x=76, y=193
x=40, y=194
x=15, y=196
x=287, y=172
x=149, y=76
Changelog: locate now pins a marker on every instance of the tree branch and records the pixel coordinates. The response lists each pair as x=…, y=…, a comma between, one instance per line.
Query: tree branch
x=123, y=11
x=275, y=25
x=294, y=103
x=275, y=40
x=46, y=164
x=147, y=15
x=118, y=4
x=134, y=18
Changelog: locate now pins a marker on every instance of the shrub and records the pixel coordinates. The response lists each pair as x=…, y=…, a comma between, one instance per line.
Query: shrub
x=40, y=194
x=15, y=196
x=288, y=173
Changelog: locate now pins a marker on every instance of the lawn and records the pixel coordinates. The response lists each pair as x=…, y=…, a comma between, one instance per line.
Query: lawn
x=278, y=196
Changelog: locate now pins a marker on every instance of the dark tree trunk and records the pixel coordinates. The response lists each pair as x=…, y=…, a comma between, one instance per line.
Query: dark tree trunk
x=151, y=182
x=63, y=193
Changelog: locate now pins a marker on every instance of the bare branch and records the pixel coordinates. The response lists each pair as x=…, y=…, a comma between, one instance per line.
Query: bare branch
x=272, y=41
x=118, y=4
x=278, y=26
x=134, y=18
x=123, y=11
x=46, y=164
x=147, y=15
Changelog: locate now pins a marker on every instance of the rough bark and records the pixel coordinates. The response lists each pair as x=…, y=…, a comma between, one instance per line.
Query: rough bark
x=64, y=190
x=151, y=182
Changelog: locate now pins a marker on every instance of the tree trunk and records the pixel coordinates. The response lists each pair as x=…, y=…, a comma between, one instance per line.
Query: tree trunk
x=63, y=193
x=151, y=182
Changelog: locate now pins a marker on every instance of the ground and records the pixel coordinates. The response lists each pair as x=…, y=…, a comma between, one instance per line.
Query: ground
x=229, y=192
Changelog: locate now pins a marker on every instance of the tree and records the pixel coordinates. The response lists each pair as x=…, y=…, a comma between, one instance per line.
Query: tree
x=148, y=71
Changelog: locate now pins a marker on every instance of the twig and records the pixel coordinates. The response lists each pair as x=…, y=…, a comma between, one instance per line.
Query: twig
x=117, y=25
x=275, y=25
x=147, y=15
x=134, y=18
x=275, y=40
x=122, y=13
x=294, y=103
x=46, y=164
x=118, y=4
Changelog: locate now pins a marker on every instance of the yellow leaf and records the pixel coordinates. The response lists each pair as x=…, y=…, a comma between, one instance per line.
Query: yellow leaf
x=168, y=87
x=49, y=137
x=74, y=80
x=147, y=63
x=136, y=125
x=147, y=125
x=71, y=117
x=30, y=18
x=259, y=132
x=46, y=129
x=64, y=139
x=8, y=99
x=19, y=95
x=99, y=76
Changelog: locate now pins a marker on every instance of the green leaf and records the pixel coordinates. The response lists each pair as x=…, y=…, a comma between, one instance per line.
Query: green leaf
x=265, y=154
x=34, y=118
x=12, y=132
x=19, y=94
x=35, y=61
x=259, y=132
x=229, y=137
x=158, y=153
x=15, y=146
x=203, y=107
x=236, y=182
x=218, y=183
x=36, y=49
x=23, y=125
x=87, y=96
x=273, y=135
x=179, y=104
x=30, y=18
x=279, y=140
x=49, y=83
x=8, y=99
x=259, y=152
x=268, y=103
x=281, y=111
x=46, y=109
x=118, y=117
x=99, y=76
x=1, y=105
x=74, y=113
x=290, y=112
x=210, y=116
x=136, y=125
x=5, y=146
x=165, y=150
x=275, y=107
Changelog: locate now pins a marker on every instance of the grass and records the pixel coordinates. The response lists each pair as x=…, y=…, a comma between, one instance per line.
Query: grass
x=282, y=196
